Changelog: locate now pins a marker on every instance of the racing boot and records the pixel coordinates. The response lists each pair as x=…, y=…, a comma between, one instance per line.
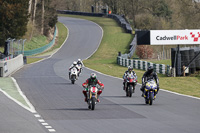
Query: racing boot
x=84, y=92
x=142, y=90
x=123, y=87
x=98, y=94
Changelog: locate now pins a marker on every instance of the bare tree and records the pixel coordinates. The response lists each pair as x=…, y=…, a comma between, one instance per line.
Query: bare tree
x=30, y=5
x=42, y=25
x=34, y=12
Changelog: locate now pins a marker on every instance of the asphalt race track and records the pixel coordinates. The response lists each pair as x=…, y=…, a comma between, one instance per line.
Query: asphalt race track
x=62, y=105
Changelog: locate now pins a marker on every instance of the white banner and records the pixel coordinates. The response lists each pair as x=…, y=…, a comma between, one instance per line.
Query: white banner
x=174, y=37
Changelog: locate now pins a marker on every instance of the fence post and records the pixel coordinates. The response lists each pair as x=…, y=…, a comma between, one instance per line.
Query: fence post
x=154, y=67
x=118, y=60
x=139, y=65
x=134, y=66
x=23, y=46
x=168, y=69
x=123, y=62
x=126, y=62
x=130, y=63
x=160, y=68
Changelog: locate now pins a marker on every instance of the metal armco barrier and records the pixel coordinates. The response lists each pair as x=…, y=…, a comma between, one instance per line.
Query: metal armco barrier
x=143, y=65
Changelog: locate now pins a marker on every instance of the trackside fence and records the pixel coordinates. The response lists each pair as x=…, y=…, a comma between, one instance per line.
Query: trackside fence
x=143, y=65
x=39, y=50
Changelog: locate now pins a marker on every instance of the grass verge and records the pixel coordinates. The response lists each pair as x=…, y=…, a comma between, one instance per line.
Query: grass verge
x=114, y=40
x=7, y=84
x=36, y=42
x=165, y=62
x=62, y=34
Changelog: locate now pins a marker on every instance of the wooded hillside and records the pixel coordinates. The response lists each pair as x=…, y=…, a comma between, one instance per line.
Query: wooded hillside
x=144, y=14
x=20, y=17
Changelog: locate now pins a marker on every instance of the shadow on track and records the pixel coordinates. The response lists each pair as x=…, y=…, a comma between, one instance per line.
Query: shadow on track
x=134, y=104
x=113, y=96
x=71, y=109
x=62, y=83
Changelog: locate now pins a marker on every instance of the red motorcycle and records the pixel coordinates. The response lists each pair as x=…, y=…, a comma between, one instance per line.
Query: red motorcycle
x=130, y=83
x=92, y=97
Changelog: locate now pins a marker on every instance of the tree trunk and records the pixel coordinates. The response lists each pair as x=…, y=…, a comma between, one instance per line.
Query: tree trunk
x=30, y=5
x=34, y=12
x=42, y=27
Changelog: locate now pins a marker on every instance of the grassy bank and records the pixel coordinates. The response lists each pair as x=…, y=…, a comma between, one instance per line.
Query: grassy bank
x=62, y=34
x=114, y=40
x=166, y=62
x=36, y=42
x=7, y=84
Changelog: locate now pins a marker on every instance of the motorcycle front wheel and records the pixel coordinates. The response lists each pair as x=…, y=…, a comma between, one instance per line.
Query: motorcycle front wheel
x=93, y=103
x=130, y=90
x=73, y=79
x=89, y=106
x=151, y=98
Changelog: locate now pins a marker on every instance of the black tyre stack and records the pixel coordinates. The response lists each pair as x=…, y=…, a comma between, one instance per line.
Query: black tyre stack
x=187, y=54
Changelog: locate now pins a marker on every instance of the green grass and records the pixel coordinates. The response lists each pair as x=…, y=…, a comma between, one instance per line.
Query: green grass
x=62, y=34
x=114, y=40
x=2, y=49
x=165, y=62
x=36, y=42
x=7, y=85
x=32, y=60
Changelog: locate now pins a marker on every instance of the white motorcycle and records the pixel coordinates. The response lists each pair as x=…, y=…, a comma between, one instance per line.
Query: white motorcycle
x=73, y=75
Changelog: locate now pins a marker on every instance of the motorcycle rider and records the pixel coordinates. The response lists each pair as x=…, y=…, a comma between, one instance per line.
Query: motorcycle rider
x=92, y=81
x=79, y=62
x=72, y=66
x=149, y=74
x=129, y=71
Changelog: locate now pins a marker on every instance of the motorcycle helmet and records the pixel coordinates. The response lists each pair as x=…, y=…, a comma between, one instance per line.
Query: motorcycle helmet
x=74, y=63
x=150, y=69
x=130, y=68
x=79, y=60
x=93, y=76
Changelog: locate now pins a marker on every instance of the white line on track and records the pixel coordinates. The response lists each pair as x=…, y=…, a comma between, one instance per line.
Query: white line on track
x=36, y=115
x=48, y=126
x=41, y=120
x=32, y=109
x=52, y=130
x=43, y=123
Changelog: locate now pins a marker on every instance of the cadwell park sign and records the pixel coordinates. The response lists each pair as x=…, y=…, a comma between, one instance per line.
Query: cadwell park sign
x=174, y=37
x=181, y=58
x=168, y=37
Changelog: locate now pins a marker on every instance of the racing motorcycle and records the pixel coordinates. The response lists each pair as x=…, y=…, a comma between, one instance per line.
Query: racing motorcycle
x=92, y=96
x=73, y=75
x=131, y=81
x=149, y=92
